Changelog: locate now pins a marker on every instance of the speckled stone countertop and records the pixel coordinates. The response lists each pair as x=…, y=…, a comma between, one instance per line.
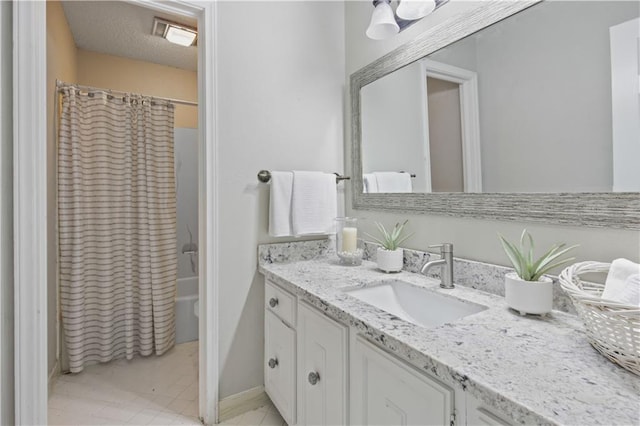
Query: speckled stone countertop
x=536, y=370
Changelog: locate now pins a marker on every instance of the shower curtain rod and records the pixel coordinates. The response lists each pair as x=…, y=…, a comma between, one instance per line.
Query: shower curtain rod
x=60, y=84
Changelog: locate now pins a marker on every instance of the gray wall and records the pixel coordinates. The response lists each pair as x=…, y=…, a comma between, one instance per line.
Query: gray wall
x=558, y=74
x=474, y=239
x=280, y=72
x=6, y=216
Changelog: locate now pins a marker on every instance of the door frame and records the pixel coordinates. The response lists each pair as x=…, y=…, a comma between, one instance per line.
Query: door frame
x=469, y=117
x=30, y=207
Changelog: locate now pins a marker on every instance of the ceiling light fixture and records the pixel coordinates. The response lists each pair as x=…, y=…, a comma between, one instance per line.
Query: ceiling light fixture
x=175, y=33
x=385, y=23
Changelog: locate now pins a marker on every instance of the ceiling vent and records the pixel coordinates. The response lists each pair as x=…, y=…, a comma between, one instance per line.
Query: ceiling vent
x=174, y=32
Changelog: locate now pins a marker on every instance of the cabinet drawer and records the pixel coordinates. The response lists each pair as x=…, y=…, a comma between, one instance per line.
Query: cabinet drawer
x=280, y=302
x=280, y=365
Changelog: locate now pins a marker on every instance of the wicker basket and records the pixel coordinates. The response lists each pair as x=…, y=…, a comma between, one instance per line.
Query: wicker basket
x=613, y=328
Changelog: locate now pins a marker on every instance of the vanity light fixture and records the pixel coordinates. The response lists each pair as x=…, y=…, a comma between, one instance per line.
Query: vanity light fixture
x=385, y=23
x=180, y=34
x=415, y=9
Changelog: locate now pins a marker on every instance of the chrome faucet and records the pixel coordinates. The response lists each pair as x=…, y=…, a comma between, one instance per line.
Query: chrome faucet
x=446, y=275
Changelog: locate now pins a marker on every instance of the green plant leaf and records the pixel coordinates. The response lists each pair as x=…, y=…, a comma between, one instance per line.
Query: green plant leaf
x=543, y=271
x=390, y=240
x=377, y=240
x=554, y=262
x=531, y=249
x=403, y=239
x=513, y=254
x=551, y=256
x=544, y=258
x=521, y=257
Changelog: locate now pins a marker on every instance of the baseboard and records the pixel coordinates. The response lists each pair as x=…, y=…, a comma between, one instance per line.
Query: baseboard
x=242, y=402
x=53, y=376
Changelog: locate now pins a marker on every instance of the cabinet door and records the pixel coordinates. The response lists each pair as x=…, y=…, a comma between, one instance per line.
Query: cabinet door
x=280, y=366
x=387, y=391
x=322, y=369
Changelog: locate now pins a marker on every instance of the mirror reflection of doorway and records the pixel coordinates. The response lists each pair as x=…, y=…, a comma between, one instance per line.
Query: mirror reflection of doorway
x=445, y=135
x=453, y=127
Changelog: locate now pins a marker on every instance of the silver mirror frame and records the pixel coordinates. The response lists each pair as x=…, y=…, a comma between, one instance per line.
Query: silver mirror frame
x=598, y=210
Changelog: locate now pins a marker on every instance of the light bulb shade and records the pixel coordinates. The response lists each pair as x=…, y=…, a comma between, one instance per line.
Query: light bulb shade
x=415, y=9
x=180, y=36
x=383, y=22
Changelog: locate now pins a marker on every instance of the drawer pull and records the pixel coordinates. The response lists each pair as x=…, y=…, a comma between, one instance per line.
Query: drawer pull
x=273, y=362
x=314, y=378
x=273, y=302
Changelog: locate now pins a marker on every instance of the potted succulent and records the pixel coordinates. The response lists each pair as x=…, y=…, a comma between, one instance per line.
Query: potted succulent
x=528, y=290
x=390, y=255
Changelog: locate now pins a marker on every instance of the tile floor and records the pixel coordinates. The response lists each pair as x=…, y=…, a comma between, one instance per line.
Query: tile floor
x=144, y=391
x=264, y=416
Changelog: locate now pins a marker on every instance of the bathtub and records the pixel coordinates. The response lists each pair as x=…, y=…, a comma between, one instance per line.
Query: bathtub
x=186, y=321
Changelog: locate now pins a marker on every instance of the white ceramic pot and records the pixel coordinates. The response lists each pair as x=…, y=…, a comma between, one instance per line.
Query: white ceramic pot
x=389, y=260
x=528, y=297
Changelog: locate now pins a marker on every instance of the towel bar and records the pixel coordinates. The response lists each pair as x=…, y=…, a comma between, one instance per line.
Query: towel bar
x=264, y=176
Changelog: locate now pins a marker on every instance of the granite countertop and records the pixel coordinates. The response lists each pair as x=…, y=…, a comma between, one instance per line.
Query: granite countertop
x=537, y=370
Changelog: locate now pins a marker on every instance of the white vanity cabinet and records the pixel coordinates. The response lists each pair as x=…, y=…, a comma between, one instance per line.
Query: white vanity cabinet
x=320, y=372
x=322, y=368
x=387, y=391
x=280, y=351
x=306, y=366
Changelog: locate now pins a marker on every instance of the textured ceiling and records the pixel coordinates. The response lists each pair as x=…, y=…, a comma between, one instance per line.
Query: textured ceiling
x=122, y=29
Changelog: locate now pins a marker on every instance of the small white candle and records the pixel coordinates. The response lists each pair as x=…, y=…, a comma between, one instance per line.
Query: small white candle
x=349, y=239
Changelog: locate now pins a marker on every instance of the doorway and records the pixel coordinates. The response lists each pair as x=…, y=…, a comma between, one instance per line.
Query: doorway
x=31, y=189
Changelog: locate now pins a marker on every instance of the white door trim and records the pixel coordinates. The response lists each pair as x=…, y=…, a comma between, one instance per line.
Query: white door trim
x=469, y=118
x=30, y=214
x=6, y=217
x=426, y=147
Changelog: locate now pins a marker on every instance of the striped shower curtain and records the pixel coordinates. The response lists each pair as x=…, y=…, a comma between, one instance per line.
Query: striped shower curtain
x=117, y=226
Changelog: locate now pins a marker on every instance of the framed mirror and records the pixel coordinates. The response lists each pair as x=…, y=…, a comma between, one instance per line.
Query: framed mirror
x=514, y=111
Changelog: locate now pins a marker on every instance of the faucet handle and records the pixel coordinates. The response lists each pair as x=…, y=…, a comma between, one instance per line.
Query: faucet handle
x=444, y=247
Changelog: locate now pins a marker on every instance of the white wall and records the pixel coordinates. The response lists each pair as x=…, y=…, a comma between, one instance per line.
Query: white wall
x=186, y=161
x=6, y=216
x=280, y=72
x=394, y=124
x=474, y=239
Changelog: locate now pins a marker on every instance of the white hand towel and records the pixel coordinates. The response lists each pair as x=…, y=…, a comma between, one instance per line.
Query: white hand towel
x=280, y=204
x=370, y=183
x=618, y=287
x=631, y=292
x=314, y=203
x=393, y=181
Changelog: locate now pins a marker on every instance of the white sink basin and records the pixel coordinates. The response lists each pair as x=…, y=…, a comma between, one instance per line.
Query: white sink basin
x=414, y=304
